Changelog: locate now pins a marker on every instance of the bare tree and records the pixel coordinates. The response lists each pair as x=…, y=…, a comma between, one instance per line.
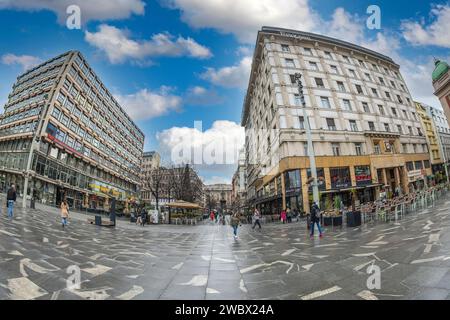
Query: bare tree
x=155, y=182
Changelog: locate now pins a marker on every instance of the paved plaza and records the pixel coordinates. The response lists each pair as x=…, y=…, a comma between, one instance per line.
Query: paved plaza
x=205, y=262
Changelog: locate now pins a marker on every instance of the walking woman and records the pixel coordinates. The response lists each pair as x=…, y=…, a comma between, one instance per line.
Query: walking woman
x=256, y=218
x=64, y=213
x=235, y=220
x=283, y=216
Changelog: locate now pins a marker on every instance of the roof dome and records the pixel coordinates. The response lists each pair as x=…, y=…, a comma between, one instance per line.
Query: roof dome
x=440, y=69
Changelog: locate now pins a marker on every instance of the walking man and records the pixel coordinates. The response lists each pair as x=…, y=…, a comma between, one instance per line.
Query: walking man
x=10, y=199
x=315, y=219
x=256, y=218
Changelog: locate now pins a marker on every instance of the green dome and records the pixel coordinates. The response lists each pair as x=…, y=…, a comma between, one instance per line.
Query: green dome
x=440, y=70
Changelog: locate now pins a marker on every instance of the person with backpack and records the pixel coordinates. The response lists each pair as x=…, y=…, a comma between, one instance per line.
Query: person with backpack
x=315, y=219
x=11, y=197
x=64, y=213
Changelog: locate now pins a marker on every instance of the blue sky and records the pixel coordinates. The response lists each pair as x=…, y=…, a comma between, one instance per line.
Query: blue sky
x=172, y=62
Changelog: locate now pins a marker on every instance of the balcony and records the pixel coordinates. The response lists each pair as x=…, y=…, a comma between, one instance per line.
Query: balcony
x=381, y=134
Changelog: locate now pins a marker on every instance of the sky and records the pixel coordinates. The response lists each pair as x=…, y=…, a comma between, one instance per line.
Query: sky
x=180, y=68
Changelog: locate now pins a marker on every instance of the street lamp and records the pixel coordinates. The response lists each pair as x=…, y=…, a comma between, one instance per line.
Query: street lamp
x=312, y=159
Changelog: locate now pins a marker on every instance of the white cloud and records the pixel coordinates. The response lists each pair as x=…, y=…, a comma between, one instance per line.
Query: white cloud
x=437, y=33
x=118, y=46
x=90, y=10
x=218, y=145
x=201, y=96
x=345, y=26
x=236, y=76
x=245, y=18
x=146, y=104
x=25, y=61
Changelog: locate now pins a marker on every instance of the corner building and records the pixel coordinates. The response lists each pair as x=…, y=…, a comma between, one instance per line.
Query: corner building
x=63, y=135
x=365, y=130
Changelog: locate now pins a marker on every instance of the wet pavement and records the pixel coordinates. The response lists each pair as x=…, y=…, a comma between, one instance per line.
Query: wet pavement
x=206, y=262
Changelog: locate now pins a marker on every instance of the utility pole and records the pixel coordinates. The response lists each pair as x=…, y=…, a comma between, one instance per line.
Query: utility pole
x=312, y=159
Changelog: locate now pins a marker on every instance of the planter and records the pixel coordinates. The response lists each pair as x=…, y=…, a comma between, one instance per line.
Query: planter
x=354, y=219
x=332, y=221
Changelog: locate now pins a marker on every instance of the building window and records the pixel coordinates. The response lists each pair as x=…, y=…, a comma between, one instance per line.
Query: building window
x=376, y=148
x=386, y=127
x=290, y=63
x=393, y=84
x=301, y=121
x=331, y=125
x=56, y=113
x=307, y=51
x=347, y=105
x=313, y=66
x=426, y=164
x=358, y=149
x=394, y=112
x=375, y=92
x=353, y=125
x=368, y=77
x=371, y=126
x=319, y=83
x=293, y=80
x=285, y=48
x=404, y=148
x=346, y=59
x=409, y=166
x=418, y=165
x=419, y=132
x=381, y=81
x=352, y=73
x=399, y=99
x=328, y=55
x=340, y=177
x=366, y=107
x=340, y=86
x=334, y=69
x=381, y=110
x=388, y=95
x=358, y=89
x=325, y=102
x=292, y=180
x=399, y=129
x=410, y=130
x=336, y=149
x=297, y=100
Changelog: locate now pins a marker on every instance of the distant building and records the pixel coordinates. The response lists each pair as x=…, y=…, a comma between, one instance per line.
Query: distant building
x=238, y=194
x=218, y=196
x=151, y=160
x=441, y=84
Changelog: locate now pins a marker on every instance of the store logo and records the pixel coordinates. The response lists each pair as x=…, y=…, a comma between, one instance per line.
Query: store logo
x=74, y=19
x=374, y=280
x=374, y=20
x=73, y=282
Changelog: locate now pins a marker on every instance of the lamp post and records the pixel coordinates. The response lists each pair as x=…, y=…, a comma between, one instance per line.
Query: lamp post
x=312, y=159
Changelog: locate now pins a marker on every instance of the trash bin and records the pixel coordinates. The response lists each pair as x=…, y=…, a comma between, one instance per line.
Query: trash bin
x=98, y=220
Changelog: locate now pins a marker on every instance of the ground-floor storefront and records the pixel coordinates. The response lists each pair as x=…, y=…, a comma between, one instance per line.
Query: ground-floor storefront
x=359, y=178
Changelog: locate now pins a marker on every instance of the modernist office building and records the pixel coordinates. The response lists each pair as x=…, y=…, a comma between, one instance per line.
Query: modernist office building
x=365, y=130
x=63, y=134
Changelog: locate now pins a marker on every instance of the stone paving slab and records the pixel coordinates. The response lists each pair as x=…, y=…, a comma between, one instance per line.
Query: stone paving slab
x=206, y=262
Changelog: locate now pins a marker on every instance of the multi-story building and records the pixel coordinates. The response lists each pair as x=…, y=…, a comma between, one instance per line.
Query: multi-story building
x=218, y=196
x=365, y=130
x=441, y=84
x=443, y=132
x=431, y=135
x=63, y=135
x=238, y=194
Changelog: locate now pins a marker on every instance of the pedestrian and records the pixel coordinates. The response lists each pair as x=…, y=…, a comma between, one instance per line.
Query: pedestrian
x=64, y=213
x=283, y=216
x=235, y=221
x=289, y=215
x=211, y=216
x=256, y=218
x=315, y=219
x=143, y=216
x=10, y=199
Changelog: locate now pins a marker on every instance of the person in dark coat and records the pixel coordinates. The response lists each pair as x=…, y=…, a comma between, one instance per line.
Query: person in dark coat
x=10, y=199
x=143, y=216
x=315, y=219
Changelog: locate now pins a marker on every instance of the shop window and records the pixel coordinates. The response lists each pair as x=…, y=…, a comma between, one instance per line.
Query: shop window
x=340, y=177
x=362, y=175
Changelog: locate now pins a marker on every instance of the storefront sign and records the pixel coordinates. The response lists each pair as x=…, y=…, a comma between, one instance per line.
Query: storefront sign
x=415, y=175
x=362, y=175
